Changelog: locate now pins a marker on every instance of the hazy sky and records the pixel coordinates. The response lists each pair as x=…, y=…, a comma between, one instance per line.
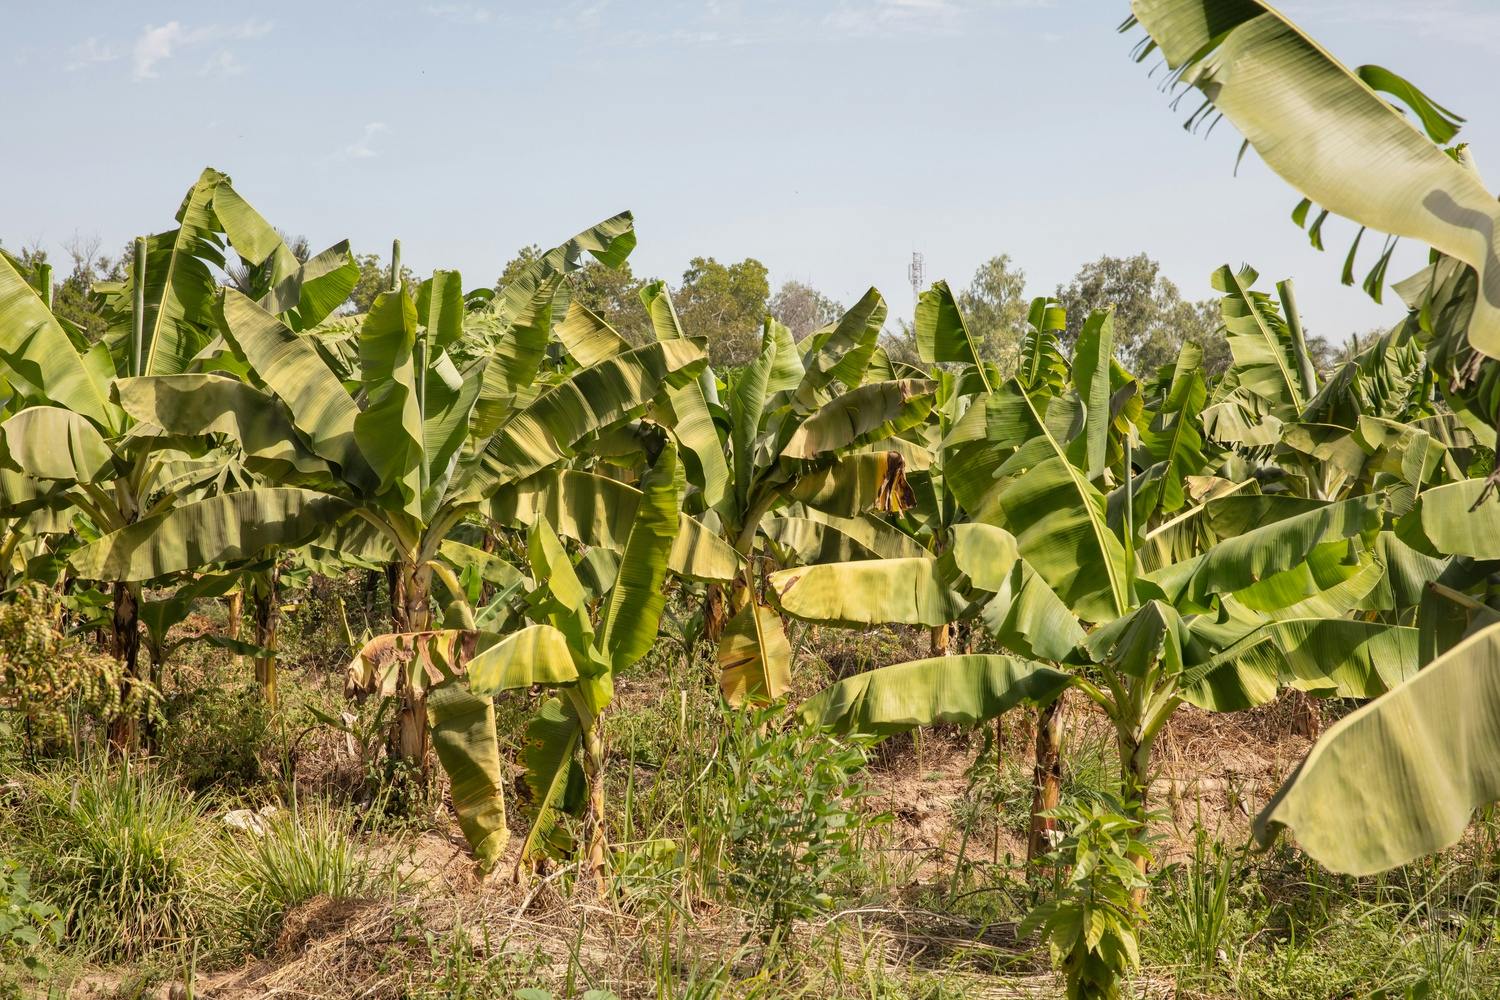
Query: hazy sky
x=828, y=138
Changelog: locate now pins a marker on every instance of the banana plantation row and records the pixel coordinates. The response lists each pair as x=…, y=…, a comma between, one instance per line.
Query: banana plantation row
x=532, y=486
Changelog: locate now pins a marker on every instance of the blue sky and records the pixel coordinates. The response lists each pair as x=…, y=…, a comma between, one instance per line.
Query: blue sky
x=828, y=138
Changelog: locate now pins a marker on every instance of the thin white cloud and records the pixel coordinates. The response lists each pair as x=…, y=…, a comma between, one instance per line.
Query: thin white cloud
x=362, y=148
x=159, y=43
x=222, y=63
x=868, y=17
x=90, y=52
x=460, y=13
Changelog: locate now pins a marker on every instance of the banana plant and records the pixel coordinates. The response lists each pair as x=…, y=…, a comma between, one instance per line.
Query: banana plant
x=806, y=427
x=812, y=447
x=115, y=471
x=563, y=647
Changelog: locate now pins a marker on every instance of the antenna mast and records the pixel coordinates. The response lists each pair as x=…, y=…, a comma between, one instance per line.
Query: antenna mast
x=916, y=273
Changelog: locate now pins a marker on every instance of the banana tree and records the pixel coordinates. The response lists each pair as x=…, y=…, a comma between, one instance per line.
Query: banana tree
x=115, y=471
x=807, y=428
x=563, y=648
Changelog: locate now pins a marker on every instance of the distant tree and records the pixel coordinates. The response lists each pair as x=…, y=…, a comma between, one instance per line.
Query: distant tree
x=995, y=307
x=614, y=294
x=726, y=305
x=900, y=343
x=1152, y=319
x=802, y=308
x=374, y=278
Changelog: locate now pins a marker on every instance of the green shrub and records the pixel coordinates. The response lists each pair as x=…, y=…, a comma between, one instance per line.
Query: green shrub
x=47, y=679
x=793, y=817
x=25, y=923
x=1091, y=924
x=216, y=734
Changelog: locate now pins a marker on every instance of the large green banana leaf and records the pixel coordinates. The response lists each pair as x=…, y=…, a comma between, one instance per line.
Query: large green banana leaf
x=1092, y=358
x=609, y=242
x=1446, y=520
x=860, y=416
x=553, y=777
x=843, y=352
x=180, y=288
x=1173, y=437
x=536, y=654
x=222, y=529
x=306, y=293
x=388, y=428
x=39, y=360
x=1402, y=776
x=686, y=410
x=1248, y=559
x=1023, y=613
x=856, y=483
x=1037, y=494
x=596, y=510
x=870, y=592
x=291, y=367
x=200, y=405
x=815, y=537
x=1330, y=135
x=629, y=620
x=941, y=333
x=591, y=400
x=962, y=689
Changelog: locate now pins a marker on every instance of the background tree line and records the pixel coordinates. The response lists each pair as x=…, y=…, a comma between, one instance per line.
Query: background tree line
x=725, y=302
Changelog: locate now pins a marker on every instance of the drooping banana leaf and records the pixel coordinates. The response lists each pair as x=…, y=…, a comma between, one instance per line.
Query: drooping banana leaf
x=553, y=777
x=596, y=510
x=755, y=660
x=1402, y=776
x=872, y=591
x=463, y=737
x=49, y=442
x=588, y=402
x=200, y=405
x=1248, y=559
x=1329, y=134
x=1446, y=520
x=815, y=537
x=963, y=689
x=222, y=529
x=536, y=654
x=871, y=412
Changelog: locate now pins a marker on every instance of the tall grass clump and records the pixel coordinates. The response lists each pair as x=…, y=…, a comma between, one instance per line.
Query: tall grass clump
x=299, y=854
x=120, y=851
